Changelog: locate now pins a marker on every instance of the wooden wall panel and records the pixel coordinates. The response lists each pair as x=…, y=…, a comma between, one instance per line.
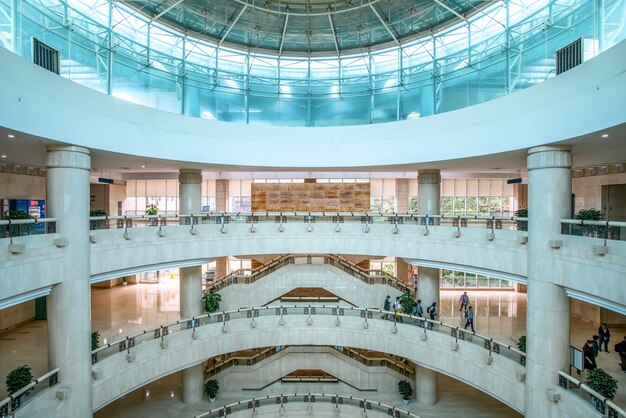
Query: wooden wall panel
x=310, y=197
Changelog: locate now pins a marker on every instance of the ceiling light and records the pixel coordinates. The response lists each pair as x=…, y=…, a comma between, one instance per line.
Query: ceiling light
x=605, y=135
x=143, y=166
x=11, y=136
x=3, y=156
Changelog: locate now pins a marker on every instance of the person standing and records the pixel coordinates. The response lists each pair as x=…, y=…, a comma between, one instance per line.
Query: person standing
x=432, y=311
x=464, y=301
x=620, y=348
x=397, y=307
x=418, y=309
x=386, y=306
x=596, y=347
x=605, y=336
x=589, y=358
x=469, y=315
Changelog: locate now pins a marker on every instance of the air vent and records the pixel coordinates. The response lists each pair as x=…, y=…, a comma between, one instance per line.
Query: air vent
x=569, y=56
x=45, y=56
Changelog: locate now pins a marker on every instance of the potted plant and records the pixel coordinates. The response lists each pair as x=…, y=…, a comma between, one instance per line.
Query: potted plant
x=408, y=302
x=405, y=389
x=521, y=344
x=211, y=302
x=100, y=223
x=604, y=384
x=124, y=281
x=95, y=340
x=18, y=378
x=589, y=230
x=19, y=229
x=211, y=387
x=152, y=210
x=522, y=225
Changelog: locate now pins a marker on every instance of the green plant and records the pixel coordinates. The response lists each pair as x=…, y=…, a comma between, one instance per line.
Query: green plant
x=16, y=214
x=95, y=340
x=590, y=215
x=211, y=387
x=521, y=344
x=408, y=302
x=97, y=212
x=405, y=389
x=602, y=382
x=522, y=225
x=18, y=378
x=152, y=209
x=211, y=302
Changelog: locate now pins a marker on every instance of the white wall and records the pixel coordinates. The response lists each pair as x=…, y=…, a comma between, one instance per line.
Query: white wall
x=557, y=109
x=588, y=190
x=21, y=186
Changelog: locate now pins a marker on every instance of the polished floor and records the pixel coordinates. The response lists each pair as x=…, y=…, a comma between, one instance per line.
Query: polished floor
x=127, y=309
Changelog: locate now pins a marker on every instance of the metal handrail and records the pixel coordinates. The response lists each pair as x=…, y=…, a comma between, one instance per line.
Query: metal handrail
x=593, y=223
x=593, y=393
x=302, y=395
x=390, y=314
x=27, y=221
x=32, y=384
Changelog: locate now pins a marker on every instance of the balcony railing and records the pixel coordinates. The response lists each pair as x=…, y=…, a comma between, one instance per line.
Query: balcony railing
x=14, y=402
x=11, y=228
x=607, y=230
x=601, y=404
x=310, y=400
x=422, y=325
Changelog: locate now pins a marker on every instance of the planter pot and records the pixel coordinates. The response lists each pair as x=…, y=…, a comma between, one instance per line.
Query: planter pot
x=405, y=401
x=124, y=283
x=212, y=400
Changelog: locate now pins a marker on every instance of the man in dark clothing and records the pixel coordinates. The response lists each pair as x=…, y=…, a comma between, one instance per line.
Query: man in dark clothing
x=621, y=350
x=470, y=318
x=596, y=347
x=605, y=336
x=386, y=305
x=589, y=358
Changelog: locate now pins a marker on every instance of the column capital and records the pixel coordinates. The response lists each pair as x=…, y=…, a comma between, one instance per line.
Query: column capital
x=67, y=156
x=549, y=156
x=189, y=176
x=430, y=176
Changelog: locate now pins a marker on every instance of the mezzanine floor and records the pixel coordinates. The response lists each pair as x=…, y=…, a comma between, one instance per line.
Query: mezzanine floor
x=123, y=310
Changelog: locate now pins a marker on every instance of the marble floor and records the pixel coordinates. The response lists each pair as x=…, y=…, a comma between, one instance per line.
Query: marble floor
x=126, y=309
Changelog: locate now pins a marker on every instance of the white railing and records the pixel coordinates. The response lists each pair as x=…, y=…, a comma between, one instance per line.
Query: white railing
x=15, y=401
x=336, y=402
x=425, y=325
x=607, y=230
x=600, y=403
x=10, y=228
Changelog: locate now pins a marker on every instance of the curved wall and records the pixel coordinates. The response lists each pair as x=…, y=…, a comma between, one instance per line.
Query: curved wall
x=151, y=362
x=558, y=109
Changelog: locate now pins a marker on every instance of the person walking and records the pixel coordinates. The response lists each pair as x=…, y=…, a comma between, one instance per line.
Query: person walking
x=596, y=347
x=469, y=315
x=397, y=307
x=418, y=309
x=620, y=348
x=432, y=311
x=387, y=306
x=464, y=301
x=605, y=336
x=589, y=358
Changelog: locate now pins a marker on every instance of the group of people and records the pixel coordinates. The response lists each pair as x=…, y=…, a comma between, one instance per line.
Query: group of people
x=593, y=347
x=431, y=311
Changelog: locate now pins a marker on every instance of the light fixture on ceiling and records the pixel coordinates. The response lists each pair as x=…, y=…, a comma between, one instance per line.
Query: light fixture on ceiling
x=605, y=135
x=143, y=166
x=11, y=136
x=3, y=156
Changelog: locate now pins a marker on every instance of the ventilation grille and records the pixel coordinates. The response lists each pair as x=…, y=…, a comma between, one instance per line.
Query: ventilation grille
x=569, y=56
x=45, y=56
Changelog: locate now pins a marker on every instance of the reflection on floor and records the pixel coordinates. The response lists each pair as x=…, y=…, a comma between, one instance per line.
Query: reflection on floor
x=124, y=310
x=161, y=399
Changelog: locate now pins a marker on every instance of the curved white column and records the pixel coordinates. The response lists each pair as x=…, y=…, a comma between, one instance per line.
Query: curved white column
x=428, y=203
x=549, y=200
x=190, y=202
x=69, y=303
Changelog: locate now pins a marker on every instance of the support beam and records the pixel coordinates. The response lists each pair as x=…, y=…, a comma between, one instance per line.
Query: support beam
x=282, y=37
x=332, y=29
x=231, y=25
x=385, y=24
x=454, y=12
x=155, y=18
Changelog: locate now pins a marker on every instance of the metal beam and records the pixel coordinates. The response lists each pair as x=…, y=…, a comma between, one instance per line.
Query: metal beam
x=282, y=37
x=385, y=24
x=231, y=25
x=166, y=10
x=332, y=29
x=454, y=12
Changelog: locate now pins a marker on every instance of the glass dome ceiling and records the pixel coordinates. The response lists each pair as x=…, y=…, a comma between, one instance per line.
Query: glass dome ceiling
x=309, y=27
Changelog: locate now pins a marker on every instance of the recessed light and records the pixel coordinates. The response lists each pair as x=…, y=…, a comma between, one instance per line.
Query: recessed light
x=3, y=156
x=605, y=135
x=11, y=136
x=143, y=166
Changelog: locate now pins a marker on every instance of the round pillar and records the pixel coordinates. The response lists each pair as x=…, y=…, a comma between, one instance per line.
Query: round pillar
x=426, y=386
x=428, y=203
x=190, y=203
x=548, y=315
x=69, y=303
